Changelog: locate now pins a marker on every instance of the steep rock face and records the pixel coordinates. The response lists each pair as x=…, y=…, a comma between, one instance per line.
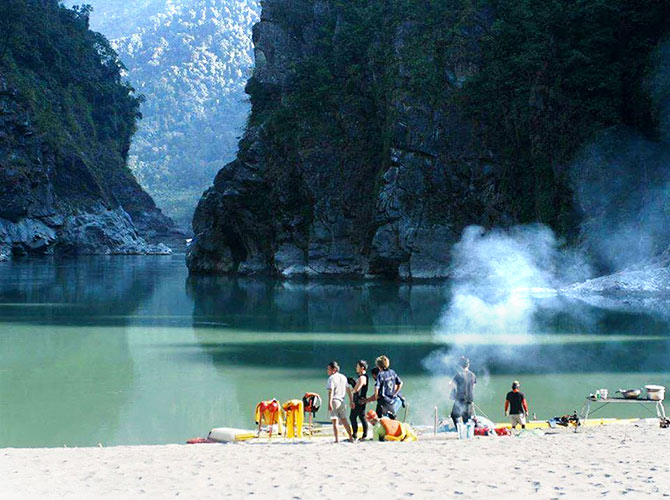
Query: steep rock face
x=64, y=185
x=388, y=197
x=381, y=129
x=55, y=204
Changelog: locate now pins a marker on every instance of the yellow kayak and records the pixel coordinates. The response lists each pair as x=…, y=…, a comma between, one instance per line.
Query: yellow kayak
x=591, y=422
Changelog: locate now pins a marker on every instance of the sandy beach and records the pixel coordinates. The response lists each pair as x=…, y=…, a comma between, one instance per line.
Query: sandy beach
x=610, y=461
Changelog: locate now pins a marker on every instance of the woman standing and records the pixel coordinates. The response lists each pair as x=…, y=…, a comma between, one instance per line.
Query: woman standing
x=359, y=400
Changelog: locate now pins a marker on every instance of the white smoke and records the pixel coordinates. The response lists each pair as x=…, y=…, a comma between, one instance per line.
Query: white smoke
x=501, y=278
x=622, y=184
x=504, y=280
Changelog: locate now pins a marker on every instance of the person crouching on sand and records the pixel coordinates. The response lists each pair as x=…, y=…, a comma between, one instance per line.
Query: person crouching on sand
x=337, y=390
x=516, y=406
x=387, y=429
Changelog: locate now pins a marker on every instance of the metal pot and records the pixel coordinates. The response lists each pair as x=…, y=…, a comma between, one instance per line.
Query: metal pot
x=630, y=393
x=655, y=392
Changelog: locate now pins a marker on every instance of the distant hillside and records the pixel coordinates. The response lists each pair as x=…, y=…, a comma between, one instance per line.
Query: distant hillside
x=191, y=60
x=66, y=122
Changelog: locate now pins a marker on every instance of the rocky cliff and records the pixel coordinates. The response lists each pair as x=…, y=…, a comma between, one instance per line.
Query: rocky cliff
x=379, y=130
x=66, y=120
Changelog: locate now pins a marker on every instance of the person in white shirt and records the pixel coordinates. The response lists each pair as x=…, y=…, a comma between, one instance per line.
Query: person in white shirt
x=337, y=390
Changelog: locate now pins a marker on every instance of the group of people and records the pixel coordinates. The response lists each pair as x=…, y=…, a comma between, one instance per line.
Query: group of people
x=387, y=394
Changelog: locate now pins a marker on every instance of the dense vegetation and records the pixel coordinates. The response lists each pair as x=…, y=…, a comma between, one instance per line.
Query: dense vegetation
x=68, y=80
x=190, y=59
x=537, y=79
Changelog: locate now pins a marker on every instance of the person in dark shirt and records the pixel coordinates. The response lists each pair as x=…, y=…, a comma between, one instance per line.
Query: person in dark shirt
x=462, y=388
x=399, y=401
x=387, y=387
x=516, y=406
x=359, y=398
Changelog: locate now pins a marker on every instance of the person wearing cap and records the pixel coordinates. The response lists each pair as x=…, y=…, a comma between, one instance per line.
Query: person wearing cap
x=516, y=406
x=462, y=392
x=388, y=429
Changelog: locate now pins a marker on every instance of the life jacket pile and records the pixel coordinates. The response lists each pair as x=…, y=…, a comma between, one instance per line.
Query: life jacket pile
x=270, y=413
x=294, y=413
x=311, y=402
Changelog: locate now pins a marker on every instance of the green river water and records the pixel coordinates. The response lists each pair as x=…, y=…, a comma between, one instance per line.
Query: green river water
x=130, y=350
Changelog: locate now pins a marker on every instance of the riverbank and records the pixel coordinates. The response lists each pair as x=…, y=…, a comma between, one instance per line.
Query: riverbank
x=608, y=461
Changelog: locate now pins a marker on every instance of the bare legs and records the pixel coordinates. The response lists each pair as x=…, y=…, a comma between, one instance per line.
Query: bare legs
x=346, y=425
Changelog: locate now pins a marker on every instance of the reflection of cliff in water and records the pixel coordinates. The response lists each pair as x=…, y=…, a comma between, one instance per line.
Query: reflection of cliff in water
x=97, y=290
x=65, y=364
x=315, y=306
x=307, y=324
x=329, y=320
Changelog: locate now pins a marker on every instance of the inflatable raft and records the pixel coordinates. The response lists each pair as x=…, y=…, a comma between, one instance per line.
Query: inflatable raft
x=230, y=435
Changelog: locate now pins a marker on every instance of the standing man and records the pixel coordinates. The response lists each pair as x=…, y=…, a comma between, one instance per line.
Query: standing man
x=337, y=390
x=387, y=387
x=516, y=406
x=462, y=388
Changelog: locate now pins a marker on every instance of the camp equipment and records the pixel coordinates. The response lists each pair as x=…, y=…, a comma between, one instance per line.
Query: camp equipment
x=230, y=435
x=465, y=431
x=270, y=413
x=655, y=392
x=311, y=402
x=586, y=408
x=293, y=413
x=630, y=393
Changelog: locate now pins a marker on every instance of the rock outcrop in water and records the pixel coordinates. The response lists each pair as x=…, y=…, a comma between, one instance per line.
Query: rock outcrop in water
x=66, y=120
x=648, y=278
x=379, y=131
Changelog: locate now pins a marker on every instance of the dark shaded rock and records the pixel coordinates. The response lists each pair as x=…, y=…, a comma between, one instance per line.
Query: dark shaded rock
x=363, y=206
x=64, y=188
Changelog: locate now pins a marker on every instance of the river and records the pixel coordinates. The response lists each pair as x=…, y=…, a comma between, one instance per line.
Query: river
x=131, y=350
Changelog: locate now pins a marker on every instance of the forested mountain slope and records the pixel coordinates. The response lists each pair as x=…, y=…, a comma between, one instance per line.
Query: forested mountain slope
x=190, y=59
x=380, y=129
x=66, y=122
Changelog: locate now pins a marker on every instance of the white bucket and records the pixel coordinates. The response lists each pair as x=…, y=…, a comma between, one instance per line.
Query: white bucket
x=655, y=392
x=462, y=431
x=465, y=431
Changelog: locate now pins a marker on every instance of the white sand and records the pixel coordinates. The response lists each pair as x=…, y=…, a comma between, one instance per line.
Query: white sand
x=631, y=460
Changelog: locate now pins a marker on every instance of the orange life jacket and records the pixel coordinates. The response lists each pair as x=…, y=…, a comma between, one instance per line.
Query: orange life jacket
x=392, y=427
x=270, y=413
x=311, y=402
